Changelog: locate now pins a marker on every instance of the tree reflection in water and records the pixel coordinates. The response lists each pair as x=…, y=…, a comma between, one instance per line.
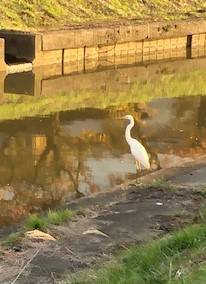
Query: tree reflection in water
x=44, y=162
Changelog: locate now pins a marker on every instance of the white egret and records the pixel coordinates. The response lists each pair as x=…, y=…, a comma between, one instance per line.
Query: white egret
x=137, y=149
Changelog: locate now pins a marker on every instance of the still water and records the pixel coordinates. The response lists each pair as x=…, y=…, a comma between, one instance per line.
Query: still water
x=80, y=149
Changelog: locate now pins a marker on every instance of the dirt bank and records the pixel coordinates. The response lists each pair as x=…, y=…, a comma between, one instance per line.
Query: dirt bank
x=60, y=13
x=109, y=222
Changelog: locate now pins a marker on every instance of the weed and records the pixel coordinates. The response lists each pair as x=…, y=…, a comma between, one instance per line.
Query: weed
x=59, y=216
x=40, y=222
x=35, y=221
x=160, y=184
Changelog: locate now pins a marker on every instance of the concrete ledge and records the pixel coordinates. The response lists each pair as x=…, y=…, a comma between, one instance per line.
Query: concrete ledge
x=76, y=38
x=18, y=68
x=170, y=174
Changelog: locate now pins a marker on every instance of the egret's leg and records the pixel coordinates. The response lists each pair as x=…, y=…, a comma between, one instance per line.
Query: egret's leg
x=137, y=169
x=137, y=165
x=140, y=168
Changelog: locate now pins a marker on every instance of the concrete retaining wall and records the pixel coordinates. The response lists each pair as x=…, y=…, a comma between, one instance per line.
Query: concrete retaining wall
x=85, y=48
x=199, y=45
x=91, y=58
x=75, y=38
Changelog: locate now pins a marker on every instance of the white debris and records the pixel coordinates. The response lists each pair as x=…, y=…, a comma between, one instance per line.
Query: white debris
x=159, y=203
x=178, y=274
x=96, y=232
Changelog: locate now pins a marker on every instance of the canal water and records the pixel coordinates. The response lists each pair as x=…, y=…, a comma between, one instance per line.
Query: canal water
x=69, y=144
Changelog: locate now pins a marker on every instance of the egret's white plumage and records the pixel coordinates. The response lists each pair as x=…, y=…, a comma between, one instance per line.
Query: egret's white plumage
x=137, y=149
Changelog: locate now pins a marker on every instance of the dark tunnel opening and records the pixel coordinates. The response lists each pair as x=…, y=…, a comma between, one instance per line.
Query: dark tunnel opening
x=19, y=47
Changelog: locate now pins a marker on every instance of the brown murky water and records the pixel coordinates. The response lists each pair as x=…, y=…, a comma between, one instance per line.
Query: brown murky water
x=47, y=160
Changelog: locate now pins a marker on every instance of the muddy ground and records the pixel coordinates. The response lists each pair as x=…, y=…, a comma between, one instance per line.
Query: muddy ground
x=105, y=224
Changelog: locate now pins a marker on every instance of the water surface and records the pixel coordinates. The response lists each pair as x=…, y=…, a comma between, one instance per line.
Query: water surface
x=77, y=147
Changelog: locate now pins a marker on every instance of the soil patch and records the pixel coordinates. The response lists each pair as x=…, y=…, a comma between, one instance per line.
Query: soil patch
x=108, y=222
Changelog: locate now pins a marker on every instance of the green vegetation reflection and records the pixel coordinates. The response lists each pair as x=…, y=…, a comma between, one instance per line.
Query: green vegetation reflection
x=166, y=85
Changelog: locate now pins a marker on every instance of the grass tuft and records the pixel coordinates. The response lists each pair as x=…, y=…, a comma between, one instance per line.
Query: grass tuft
x=54, y=217
x=59, y=216
x=40, y=222
x=35, y=221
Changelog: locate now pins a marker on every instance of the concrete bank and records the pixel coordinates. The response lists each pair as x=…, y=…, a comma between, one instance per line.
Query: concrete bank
x=83, y=48
x=190, y=174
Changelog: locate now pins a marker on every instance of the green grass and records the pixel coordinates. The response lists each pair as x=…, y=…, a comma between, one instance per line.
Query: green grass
x=158, y=262
x=35, y=221
x=58, y=217
x=54, y=217
x=160, y=184
x=41, y=222
x=196, y=277
x=57, y=13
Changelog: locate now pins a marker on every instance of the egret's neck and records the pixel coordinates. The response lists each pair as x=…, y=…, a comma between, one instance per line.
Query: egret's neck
x=128, y=131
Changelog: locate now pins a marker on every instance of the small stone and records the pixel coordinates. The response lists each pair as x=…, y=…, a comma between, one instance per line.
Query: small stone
x=17, y=248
